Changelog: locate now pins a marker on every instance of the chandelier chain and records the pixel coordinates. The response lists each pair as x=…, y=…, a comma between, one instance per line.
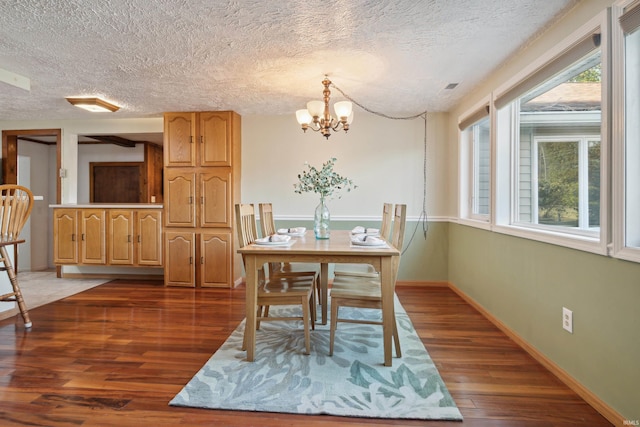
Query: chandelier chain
x=423, y=219
x=377, y=113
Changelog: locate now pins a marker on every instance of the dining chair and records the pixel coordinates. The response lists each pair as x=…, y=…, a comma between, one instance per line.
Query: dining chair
x=16, y=203
x=280, y=290
x=366, y=270
x=366, y=292
x=268, y=228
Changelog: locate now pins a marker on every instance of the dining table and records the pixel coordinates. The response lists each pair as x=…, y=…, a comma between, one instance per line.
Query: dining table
x=338, y=248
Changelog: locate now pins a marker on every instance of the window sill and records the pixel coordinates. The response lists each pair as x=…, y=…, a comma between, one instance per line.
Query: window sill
x=582, y=243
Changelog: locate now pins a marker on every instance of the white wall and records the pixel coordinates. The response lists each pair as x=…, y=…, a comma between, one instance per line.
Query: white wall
x=70, y=131
x=88, y=153
x=383, y=157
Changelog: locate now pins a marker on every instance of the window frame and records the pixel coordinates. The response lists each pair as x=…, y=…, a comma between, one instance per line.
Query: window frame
x=506, y=131
x=583, y=141
x=620, y=247
x=467, y=185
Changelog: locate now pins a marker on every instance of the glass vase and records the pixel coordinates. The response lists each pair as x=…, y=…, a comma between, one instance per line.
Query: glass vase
x=321, y=220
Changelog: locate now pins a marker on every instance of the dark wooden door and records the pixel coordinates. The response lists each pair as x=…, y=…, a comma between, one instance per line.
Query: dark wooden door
x=116, y=182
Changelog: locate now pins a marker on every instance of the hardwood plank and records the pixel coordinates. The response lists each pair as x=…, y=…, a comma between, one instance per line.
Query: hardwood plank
x=118, y=353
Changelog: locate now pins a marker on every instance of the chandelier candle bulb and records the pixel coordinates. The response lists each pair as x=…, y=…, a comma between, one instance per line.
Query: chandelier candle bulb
x=317, y=116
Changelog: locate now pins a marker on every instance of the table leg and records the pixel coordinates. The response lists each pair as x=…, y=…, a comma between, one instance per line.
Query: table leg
x=324, y=287
x=251, y=301
x=388, y=312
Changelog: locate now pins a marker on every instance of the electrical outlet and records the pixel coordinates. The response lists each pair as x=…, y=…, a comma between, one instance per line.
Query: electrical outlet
x=567, y=320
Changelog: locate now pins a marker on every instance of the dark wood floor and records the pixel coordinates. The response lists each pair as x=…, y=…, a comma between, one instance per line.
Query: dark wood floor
x=118, y=353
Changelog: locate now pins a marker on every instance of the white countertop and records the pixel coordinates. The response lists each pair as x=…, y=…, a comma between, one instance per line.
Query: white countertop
x=108, y=206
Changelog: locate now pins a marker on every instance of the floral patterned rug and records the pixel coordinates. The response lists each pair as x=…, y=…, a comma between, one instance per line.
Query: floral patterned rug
x=353, y=382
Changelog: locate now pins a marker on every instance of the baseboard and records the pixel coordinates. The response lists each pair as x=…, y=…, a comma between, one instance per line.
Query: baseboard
x=9, y=313
x=605, y=410
x=158, y=277
x=422, y=283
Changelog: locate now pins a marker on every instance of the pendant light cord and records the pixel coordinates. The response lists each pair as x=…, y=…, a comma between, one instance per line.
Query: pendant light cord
x=423, y=219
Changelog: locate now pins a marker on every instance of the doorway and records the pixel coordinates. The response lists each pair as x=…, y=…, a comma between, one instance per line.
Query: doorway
x=21, y=165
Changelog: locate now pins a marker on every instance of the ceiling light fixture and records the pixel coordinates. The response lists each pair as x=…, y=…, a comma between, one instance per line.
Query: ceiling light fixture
x=95, y=105
x=317, y=115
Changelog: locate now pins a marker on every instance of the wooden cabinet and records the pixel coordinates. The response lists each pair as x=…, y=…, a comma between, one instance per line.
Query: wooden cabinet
x=148, y=237
x=120, y=251
x=180, y=198
x=180, y=252
x=214, y=264
x=198, y=139
x=201, y=185
x=93, y=236
x=65, y=236
x=202, y=258
x=215, y=206
x=134, y=237
x=119, y=237
x=198, y=199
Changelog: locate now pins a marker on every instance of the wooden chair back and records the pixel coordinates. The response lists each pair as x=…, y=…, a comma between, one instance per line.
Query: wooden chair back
x=267, y=223
x=399, y=220
x=246, y=224
x=16, y=203
x=387, y=217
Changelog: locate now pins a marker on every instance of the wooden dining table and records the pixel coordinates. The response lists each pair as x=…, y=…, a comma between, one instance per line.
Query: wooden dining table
x=337, y=249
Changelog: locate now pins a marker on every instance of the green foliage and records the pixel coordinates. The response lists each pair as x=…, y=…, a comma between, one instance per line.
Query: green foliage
x=592, y=75
x=558, y=184
x=324, y=181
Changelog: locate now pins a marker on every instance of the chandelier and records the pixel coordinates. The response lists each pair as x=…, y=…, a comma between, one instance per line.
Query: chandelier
x=317, y=115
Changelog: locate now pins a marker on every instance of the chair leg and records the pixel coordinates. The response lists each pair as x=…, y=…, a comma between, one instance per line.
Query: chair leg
x=334, y=325
x=312, y=306
x=306, y=320
x=16, y=288
x=396, y=339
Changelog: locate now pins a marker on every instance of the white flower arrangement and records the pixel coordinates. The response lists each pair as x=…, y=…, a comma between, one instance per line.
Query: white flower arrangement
x=324, y=181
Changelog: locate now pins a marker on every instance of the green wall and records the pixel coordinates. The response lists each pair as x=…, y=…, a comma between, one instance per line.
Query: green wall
x=525, y=284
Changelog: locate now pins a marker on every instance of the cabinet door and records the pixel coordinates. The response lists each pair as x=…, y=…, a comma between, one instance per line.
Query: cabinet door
x=179, y=134
x=179, y=198
x=215, y=198
x=65, y=231
x=179, y=267
x=215, y=259
x=92, y=236
x=120, y=237
x=149, y=237
x=215, y=138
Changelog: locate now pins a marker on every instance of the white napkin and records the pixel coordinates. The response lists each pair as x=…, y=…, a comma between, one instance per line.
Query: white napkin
x=367, y=240
x=274, y=238
x=292, y=230
x=364, y=230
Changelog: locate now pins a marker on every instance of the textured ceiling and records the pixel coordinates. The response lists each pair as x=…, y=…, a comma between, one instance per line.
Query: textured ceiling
x=256, y=56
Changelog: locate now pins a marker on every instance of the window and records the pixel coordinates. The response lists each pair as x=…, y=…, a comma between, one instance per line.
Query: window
x=476, y=150
x=566, y=190
x=627, y=148
x=481, y=168
x=549, y=154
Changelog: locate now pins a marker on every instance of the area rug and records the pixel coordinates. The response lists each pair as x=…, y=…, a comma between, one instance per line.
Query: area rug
x=353, y=382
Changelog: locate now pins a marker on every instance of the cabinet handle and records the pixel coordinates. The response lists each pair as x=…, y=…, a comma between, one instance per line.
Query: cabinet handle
x=202, y=200
x=83, y=237
x=201, y=139
x=73, y=237
x=201, y=260
x=128, y=238
x=190, y=200
x=190, y=260
x=191, y=139
x=138, y=238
